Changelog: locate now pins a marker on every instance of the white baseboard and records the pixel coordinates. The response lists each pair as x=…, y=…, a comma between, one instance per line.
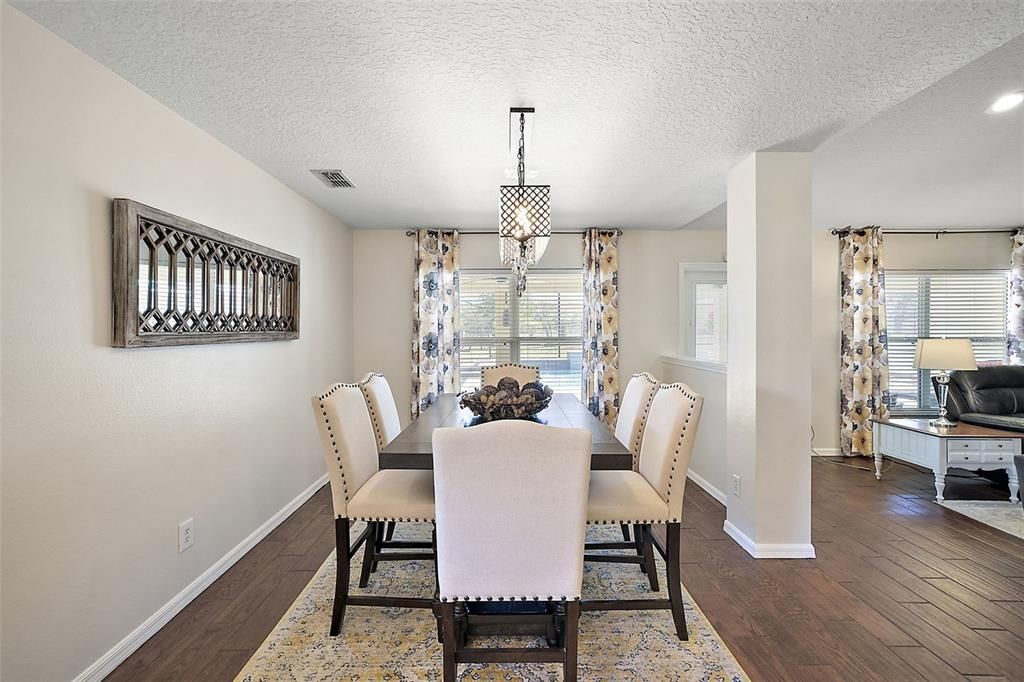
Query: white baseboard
x=113, y=658
x=768, y=551
x=708, y=488
x=826, y=452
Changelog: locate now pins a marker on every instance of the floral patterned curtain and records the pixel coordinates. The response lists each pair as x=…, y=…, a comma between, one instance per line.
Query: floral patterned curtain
x=864, y=382
x=1015, y=311
x=601, y=331
x=435, y=339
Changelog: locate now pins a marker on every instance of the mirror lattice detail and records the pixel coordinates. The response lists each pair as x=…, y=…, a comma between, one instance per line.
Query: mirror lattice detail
x=187, y=283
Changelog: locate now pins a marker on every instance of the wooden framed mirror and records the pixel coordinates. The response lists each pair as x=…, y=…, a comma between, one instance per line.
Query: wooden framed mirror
x=177, y=282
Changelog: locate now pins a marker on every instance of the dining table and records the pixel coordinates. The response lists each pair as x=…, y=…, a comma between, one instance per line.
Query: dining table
x=413, y=447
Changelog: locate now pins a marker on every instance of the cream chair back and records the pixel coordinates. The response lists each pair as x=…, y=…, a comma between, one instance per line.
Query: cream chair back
x=633, y=409
x=381, y=404
x=668, y=441
x=350, y=449
x=524, y=374
x=511, y=499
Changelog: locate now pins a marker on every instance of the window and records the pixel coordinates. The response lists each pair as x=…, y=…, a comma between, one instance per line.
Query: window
x=703, y=311
x=543, y=328
x=935, y=304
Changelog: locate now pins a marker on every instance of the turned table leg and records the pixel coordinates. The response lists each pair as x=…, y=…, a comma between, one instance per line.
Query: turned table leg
x=940, y=484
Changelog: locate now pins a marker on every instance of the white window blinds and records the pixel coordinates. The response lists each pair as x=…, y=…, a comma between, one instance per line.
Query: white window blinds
x=935, y=304
x=543, y=328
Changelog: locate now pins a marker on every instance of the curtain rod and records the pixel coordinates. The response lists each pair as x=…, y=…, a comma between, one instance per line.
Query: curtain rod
x=409, y=233
x=938, y=232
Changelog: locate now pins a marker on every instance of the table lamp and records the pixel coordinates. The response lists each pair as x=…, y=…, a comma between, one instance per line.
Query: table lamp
x=944, y=355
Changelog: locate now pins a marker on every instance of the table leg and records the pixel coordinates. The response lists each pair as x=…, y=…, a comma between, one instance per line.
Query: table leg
x=940, y=484
x=878, y=465
x=1014, y=484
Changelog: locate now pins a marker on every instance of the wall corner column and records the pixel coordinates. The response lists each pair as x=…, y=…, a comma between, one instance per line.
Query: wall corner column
x=768, y=392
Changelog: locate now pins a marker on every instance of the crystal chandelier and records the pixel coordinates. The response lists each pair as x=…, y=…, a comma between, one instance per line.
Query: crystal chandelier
x=524, y=216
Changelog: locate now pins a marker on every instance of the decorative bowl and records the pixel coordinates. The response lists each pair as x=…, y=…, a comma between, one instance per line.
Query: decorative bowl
x=507, y=400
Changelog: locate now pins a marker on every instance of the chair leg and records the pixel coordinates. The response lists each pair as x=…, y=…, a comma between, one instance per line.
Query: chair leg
x=648, y=554
x=559, y=620
x=377, y=545
x=341, y=581
x=433, y=542
x=550, y=633
x=638, y=540
x=625, y=531
x=368, y=552
x=450, y=670
x=572, y=629
x=391, y=530
x=675, y=590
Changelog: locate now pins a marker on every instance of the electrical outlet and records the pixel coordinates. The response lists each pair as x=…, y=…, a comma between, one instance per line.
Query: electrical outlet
x=736, y=489
x=186, y=535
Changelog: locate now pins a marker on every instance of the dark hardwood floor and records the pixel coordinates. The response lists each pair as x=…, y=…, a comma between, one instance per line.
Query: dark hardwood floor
x=902, y=589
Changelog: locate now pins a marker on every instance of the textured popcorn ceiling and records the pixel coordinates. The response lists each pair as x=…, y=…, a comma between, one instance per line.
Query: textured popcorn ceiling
x=936, y=160
x=642, y=106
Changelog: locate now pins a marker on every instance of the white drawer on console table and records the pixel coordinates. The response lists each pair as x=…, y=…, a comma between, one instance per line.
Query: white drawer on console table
x=981, y=451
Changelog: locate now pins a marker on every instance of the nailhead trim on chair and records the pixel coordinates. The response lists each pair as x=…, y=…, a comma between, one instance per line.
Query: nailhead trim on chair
x=377, y=430
x=391, y=518
x=688, y=393
x=509, y=364
x=638, y=438
x=504, y=598
x=327, y=423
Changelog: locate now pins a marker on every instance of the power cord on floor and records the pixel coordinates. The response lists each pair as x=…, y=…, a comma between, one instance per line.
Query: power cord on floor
x=823, y=458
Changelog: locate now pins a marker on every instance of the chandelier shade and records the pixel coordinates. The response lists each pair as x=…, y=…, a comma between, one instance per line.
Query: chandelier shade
x=525, y=212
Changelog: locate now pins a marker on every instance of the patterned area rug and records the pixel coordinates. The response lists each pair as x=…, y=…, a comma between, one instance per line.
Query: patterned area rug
x=401, y=644
x=1006, y=516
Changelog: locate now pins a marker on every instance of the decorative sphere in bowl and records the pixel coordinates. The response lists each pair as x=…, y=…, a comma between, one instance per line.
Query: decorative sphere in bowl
x=507, y=400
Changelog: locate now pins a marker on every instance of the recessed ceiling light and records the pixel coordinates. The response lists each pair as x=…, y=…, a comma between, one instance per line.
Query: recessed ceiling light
x=1006, y=102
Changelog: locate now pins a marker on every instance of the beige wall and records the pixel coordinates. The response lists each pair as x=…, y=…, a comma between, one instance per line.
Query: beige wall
x=382, y=306
x=708, y=464
x=106, y=450
x=2, y=13
x=383, y=270
x=951, y=251
x=648, y=294
x=649, y=291
x=824, y=342
x=902, y=252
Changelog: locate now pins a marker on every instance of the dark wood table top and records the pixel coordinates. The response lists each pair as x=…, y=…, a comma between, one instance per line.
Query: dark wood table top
x=961, y=430
x=413, y=448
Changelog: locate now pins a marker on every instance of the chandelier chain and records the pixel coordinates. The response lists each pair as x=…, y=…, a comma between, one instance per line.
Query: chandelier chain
x=522, y=149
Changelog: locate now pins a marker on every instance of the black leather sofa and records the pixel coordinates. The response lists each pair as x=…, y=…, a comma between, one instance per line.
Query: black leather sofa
x=988, y=396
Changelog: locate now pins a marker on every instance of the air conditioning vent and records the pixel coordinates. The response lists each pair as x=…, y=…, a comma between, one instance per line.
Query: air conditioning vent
x=332, y=178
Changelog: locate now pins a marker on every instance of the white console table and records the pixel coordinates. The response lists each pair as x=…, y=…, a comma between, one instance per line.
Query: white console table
x=964, y=446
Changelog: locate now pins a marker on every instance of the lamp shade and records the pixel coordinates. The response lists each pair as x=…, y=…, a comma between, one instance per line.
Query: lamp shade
x=944, y=354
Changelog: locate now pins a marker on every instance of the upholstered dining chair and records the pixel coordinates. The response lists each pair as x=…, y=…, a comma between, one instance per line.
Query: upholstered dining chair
x=633, y=408
x=360, y=491
x=524, y=374
x=380, y=401
x=652, y=494
x=511, y=511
